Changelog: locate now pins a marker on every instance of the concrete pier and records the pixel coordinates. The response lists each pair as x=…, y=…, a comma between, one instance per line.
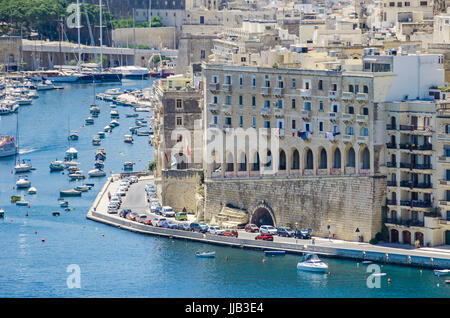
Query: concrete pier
x=136, y=201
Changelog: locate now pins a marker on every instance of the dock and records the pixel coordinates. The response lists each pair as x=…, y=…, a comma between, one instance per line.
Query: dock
x=136, y=200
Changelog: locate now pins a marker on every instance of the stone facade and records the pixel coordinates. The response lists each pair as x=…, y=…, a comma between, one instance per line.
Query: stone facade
x=344, y=203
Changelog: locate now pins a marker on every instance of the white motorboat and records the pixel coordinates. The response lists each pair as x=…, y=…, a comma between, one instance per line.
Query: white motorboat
x=23, y=182
x=96, y=141
x=101, y=134
x=128, y=139
x=72, y=153
x=114, y=123
x=7, y=146
x=2, y=213
x=89, y=121
x=312, y=263
x=96, y=173
x=114, y=114
x=23, y=166
x=32, y=190
x=441, y=272
x=71, y=163
x=45, y=86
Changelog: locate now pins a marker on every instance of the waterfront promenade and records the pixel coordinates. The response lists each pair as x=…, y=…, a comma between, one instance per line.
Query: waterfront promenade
x=136, y=201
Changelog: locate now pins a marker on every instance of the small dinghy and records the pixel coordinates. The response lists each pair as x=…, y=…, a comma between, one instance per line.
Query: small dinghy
x=101, y=134
x=312, y=263
x=96, y=173
x=89, y=121
x=56, y=166
x=64, y=204
x=70, y=193
x=82, y=188
x=367, y=262
x=2, y=213
x=441, y=272
x=77, y=175
x=131, y=115
x=275, y=252
x=56, y=213
x=206, y=254
x=128, y=165
x=22, y=203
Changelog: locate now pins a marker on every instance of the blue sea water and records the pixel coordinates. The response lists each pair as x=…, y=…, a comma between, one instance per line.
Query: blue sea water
x=118, y=263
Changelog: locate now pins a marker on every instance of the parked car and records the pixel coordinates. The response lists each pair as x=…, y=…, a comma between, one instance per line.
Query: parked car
x=215, y=230
x=251, y=228
x=147, y=222
x=230, y=233
x=155, y=221
x=167, y=211
x=285, y=232
x=141, y=218
x=198, y=227
x=158, y=210
x=124, y=184
x=267, y=229
x=160, y=222
x=134, y=179
x=264, y=237
x=112, y=210
x=132, y=216
x=183, y=226
x=121, y=192
x=302, y=234
x=153, y=207
x=124, y=213
x=181, y=216
x=169, y=224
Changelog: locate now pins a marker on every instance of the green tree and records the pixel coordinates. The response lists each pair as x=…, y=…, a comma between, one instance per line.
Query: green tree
x=156, y=22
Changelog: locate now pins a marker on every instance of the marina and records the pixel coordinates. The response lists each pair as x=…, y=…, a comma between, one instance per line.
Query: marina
x=97, y=244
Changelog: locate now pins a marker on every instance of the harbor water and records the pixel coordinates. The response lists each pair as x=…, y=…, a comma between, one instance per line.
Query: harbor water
x=118, y=263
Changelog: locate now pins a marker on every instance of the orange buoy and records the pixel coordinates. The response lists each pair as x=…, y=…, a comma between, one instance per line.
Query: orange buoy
x=26, y=214
x=329, y=273
x=263, y=260
x=43, y=239
x=389, y=280
x=159, y=248
x=103, y=234
x=29, y=206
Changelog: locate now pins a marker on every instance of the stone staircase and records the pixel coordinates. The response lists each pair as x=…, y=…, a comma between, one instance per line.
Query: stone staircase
x=230, y=218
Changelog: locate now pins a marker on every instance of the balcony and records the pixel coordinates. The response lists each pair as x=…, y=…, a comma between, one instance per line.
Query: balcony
x=405, y=222
x=416, y=130
x=226, y=88
x=213, y=108
x=391, y=127
x=415, y=185
x=444, y=138
x=363, y=140
x=347, y=96
x=444, y=203
x=391, y=202
x=391, y=145
x=305, y=113
x=226, y=109
x=265, y=111
x=265, y=90
x=333, y=116
x=416, y=203
x=304, y=92
x=444, y=159
x=332, y=94
x=362, y=97
x=445, y=183
x=347, y=118
x=391, y=183
x=213, y=86
x=362, y=119
x=391, y=165
x=278, y=112
x=278, y=91
x=348, y=138
x=416, y=166
x=413, y=147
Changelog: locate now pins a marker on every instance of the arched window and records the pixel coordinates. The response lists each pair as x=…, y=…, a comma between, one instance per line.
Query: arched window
x=365, y=89
x=243, y=163
x=282, y=165
x=295, y=160
x=256, y=162
x=269, y=159
x=337, y=159
x=309, y=164
x=365, y=159
x=351, y=158
x=230, y=162
x=323, y=159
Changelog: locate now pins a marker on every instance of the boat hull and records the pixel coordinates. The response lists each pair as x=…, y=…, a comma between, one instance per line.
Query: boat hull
x=314, y=269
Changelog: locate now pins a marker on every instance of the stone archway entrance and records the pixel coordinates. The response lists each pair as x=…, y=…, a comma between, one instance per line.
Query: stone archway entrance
x=262, y=216
x=394, y=236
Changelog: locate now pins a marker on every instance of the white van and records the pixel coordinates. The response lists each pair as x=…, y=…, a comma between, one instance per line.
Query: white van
x=167, y=211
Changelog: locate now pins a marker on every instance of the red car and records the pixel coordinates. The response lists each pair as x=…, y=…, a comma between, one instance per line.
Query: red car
x=231, y=233
x=132, y=216
x=147, y=221
x=264, y=237
x=251, y=228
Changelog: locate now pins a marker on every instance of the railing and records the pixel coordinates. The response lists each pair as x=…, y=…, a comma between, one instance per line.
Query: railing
x=348, y=138
x=347, y=95
x=226, y=109
x=265, y=111
x=213, y=86
x=278, y=112
x=265, y=90
x=416, y=203
x=362, y=139
x=306, y=113
x=226, y=88
x=278, y=91
x=391, y=145
x=391, y=183
x=391, y=202
x=419, y=166
x=212, y=107
x=305, y=92
x=362, y=96
x=391, y=164
x=347, y=117
x=333, y=116
x=391, y=127
x=412, y=147
x=362, y=119
x=407, y=222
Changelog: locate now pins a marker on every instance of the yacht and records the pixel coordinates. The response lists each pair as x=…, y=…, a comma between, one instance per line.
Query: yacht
x=23, y=166
x=7, y=146
x=96, y=173
x=45, y=85
x=74, y=135
x=71, y=153
x=132, y=71
x=114, y=123
x=312, y=263
x=23, y=182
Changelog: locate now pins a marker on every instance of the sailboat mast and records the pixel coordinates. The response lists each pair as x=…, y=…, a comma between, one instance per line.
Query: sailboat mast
x=101, y=36
x=79, y=41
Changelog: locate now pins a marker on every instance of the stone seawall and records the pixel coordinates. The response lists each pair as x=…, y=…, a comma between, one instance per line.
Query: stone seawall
x=344, y=203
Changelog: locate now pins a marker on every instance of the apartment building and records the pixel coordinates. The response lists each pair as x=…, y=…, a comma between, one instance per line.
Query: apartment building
x=325, y=125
